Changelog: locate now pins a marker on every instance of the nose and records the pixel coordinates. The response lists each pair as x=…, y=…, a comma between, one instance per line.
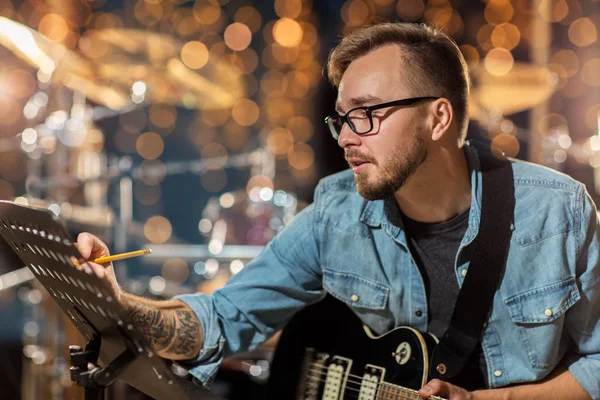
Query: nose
x=348, y=138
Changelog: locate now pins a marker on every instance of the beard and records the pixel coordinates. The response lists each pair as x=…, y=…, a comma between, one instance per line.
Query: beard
x=397, y=166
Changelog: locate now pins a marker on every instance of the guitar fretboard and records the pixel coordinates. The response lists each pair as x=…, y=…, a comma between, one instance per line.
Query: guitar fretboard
x=388, y=391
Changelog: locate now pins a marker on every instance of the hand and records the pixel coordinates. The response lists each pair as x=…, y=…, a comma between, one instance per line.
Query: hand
x=91, y=248
x=437, y=387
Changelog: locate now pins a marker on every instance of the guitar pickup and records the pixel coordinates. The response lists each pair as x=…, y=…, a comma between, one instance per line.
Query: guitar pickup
x=372, y=377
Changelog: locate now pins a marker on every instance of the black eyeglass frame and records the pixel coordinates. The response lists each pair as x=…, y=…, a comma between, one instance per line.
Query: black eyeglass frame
x=368, y=110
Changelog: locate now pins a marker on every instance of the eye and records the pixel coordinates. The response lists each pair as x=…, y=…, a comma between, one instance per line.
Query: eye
x=359, y=113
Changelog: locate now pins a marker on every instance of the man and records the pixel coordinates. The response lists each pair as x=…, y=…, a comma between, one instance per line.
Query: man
x=392, y=237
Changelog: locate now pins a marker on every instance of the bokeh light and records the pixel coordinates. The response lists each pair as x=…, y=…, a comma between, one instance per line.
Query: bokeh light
x=559, y=9
x=506, y=144
x=54, y=26
x=564, y=63
x=498, y=12
x=146, y=194
x=499, y=62
x=301, y=156
x=162, y=116
x=150, y=145
x=157, y=229
x=583, y=32
x=506, y=36
x=280, y=141
x=245, y=112
x=301, y=127
x=175, y=270
x=287, y=32
x=214, y=155
x=237, y=36
x=288, y=8
x=590, y=72
x=250, y=17
x=206, y=14
x=194, y=54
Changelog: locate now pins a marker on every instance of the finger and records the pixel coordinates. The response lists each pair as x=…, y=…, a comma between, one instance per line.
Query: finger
x=433, y=387
x=96, y=269
x=89, y=245
x=85, y=243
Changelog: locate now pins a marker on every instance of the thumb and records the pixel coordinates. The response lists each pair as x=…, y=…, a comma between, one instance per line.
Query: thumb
x=89, y=245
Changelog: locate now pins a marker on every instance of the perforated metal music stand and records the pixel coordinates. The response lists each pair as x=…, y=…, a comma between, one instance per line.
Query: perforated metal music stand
x=40, y=240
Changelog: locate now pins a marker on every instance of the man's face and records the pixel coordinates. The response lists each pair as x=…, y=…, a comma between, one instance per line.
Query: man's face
x=383, y=159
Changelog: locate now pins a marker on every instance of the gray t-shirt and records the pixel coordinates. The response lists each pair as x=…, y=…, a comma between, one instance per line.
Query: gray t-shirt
x=434, y=248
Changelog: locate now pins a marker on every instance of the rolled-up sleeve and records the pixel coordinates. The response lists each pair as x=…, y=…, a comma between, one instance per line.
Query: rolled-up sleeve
x=583, y=320
x=261, y=299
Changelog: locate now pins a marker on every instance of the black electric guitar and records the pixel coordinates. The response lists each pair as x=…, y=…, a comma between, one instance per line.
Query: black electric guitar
x=325, y=353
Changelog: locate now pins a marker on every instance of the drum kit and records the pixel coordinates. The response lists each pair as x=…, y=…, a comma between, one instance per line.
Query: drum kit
x=116, y=71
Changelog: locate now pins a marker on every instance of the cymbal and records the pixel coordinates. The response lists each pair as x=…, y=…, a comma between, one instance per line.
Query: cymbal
x=118, y=59
x=523, y=87
x=63, y=65
x=131, y=56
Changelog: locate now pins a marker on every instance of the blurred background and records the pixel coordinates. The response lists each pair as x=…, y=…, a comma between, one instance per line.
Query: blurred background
x=196, y=128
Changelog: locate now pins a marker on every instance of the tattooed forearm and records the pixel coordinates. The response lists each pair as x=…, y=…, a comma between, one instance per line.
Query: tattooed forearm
x=157, y=326
x=170, y=327
x=188, y=332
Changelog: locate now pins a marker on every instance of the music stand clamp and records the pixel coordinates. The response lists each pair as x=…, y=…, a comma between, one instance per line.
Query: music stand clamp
x=38, y=238
x=85, y=371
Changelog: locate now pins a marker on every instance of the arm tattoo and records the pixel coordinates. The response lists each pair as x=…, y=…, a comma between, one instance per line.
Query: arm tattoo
x=157, y=328
x=187, y=334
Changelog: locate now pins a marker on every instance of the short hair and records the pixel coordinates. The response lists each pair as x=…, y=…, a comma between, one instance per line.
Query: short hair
x=435, y=63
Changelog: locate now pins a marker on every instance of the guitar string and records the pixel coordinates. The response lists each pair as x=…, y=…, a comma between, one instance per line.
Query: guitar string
x=397, y=395
x=360, y=379
x=411, y=393
x=382, y=390
x=378, y=394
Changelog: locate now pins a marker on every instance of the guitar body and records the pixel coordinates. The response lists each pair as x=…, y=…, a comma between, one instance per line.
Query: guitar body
x=326, y=353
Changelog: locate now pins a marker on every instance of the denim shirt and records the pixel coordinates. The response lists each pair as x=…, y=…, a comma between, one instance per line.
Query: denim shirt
x=546, y=309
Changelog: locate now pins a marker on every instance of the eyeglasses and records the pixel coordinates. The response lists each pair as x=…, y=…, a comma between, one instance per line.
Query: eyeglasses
x=360, y=119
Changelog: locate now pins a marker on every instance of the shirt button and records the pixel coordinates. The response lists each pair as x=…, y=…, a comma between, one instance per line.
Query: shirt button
x=418, y=313
x=463, y=272
x=497, y=373
x=354, y=298
x=548, y=312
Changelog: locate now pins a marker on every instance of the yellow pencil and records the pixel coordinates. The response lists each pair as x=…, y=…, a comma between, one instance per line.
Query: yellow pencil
x=122, y=256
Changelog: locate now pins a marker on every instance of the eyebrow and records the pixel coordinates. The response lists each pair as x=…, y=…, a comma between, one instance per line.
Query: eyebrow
x=359, y=101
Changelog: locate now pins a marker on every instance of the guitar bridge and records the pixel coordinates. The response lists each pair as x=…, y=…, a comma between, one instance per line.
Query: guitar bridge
x=326, y=376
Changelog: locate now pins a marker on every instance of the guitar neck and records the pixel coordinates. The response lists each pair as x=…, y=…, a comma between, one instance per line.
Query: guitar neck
x=388, y=391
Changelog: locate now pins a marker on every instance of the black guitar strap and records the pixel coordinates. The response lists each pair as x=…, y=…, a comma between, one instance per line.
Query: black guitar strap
x=490, y=252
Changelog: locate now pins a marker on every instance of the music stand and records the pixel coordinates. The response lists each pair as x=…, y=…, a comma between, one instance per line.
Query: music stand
x=39, y=239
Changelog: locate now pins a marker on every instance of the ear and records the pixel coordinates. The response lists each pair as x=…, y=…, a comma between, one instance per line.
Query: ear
x=443, y=114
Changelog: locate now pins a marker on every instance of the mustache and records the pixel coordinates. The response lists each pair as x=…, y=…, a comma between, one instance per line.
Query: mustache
x=358, y=155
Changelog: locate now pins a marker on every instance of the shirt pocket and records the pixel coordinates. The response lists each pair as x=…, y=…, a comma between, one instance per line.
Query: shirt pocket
x=368, y=299
x=539, y=315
